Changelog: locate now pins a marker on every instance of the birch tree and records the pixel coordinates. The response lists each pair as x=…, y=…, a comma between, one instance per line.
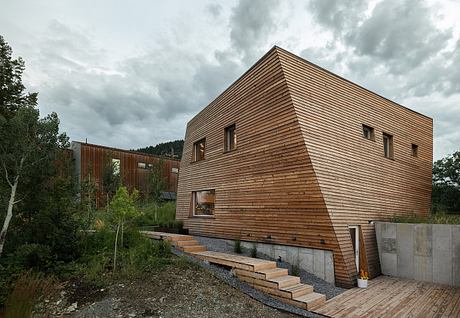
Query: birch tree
x=26, y=141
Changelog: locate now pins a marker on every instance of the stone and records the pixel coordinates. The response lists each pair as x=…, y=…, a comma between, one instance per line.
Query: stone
x=318, y=263
x=389, y=230
x=423, y=236
x=306, y=259
x=389, y=245
x=389, y=264
x=423, y=268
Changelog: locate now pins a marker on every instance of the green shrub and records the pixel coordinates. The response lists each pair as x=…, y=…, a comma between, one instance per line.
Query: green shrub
x=438, y=218
x=254, y=251
x=32, y=256
x=295, y=270
x=237, y=247
x=155, y=214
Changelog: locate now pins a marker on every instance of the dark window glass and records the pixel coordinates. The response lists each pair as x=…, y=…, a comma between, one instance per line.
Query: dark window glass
x=230, y=138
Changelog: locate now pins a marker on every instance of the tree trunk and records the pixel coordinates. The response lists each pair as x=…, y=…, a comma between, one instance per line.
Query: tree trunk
x=115, y=249
x=9, y=215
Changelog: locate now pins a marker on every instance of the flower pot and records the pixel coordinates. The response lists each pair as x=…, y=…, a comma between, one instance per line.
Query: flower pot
x=362, y=283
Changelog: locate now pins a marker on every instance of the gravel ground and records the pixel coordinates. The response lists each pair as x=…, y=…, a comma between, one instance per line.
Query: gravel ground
x=179, y=290
x=320, y=285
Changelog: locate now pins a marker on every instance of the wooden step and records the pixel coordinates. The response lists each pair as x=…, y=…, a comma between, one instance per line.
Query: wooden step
x=186, y=243
x=193, y=248
x=178, y=237
x=273, y=272
x=311, y=300
x=298, y=290
x=285, y=281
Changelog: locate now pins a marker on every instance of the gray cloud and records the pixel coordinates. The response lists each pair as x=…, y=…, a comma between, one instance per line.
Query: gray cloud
x=214, y=9
x=251, y=23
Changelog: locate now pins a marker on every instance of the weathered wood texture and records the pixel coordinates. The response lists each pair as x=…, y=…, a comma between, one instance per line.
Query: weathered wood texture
x=388, y=297
x=92, y=159
x=302, y=172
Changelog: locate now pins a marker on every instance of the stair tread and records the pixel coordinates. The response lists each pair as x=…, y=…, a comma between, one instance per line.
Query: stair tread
x=296, y=287
x=271, y=270
x=283, y=278
x=309, y=297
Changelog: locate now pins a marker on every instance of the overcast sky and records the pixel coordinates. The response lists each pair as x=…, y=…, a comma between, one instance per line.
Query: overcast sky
x=132, y=73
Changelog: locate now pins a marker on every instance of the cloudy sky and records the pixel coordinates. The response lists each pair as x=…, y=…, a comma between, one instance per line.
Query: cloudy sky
x=132, y=73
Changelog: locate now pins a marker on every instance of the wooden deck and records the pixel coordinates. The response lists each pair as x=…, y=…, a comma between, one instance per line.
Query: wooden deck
x=394, y=297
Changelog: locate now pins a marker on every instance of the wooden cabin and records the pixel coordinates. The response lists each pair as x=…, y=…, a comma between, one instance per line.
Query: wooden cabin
x=133, y=168
x=293, y=154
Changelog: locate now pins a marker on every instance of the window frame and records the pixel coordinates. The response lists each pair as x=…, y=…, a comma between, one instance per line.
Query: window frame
x=371, y=132
x=193, y=201
x=195, y=150
x=116, y=164
x=390, y=145
x=414, y=150
x=230, y=129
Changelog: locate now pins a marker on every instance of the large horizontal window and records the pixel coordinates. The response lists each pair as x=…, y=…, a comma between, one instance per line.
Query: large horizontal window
x=203, y=202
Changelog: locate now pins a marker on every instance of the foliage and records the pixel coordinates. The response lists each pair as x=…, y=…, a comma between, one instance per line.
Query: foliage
x=111, y=180
x=363, y=275
x=156, y=181
x=295, y=270
x=30, y=288
x=163, y=215
x=237, y=247
x=168, y=149
x=254, y=251
x=438, y=218
x=446, y=184
x=122, y=209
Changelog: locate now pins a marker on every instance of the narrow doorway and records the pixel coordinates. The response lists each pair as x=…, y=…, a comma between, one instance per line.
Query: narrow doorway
x=354, y=234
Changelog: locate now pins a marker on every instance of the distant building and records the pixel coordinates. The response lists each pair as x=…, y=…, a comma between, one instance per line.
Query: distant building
x=133, y=168
x=294, y=155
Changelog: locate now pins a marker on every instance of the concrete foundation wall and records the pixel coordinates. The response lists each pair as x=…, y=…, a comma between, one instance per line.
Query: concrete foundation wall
x=426, y=252
x=317, y=262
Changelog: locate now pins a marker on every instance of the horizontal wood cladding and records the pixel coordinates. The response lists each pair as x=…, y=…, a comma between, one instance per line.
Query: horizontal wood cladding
x=357, y=182
x=266, y=190
x=302, y=171
x=93, y=158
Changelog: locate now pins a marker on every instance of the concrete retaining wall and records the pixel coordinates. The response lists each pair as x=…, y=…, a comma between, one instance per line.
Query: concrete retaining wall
x=426, y=252
x=317, y=262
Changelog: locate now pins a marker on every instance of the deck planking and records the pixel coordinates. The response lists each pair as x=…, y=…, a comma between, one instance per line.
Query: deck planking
x=389, y=297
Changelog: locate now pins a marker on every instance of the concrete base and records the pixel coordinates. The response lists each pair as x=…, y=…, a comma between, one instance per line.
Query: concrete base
x=317, y=262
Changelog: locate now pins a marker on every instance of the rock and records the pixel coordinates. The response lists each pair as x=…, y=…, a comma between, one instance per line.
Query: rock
x=72, y=307
x=132, y=315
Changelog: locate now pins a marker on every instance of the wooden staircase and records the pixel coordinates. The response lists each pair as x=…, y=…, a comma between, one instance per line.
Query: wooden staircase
x=259, y=274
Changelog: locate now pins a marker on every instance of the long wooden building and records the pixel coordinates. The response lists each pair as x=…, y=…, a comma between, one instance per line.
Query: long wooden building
x=132, y=167
x=293, y=154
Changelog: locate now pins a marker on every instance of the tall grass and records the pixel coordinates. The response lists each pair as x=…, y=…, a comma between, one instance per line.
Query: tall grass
x=438, y=218
x=30, y=288
x=155, y=214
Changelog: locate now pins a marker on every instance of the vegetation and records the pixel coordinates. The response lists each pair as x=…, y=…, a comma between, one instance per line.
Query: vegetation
x=295, y=270
x=254, y=251
x=237, y=247
x=171, y=149
x=437, y=218
x=446, y=184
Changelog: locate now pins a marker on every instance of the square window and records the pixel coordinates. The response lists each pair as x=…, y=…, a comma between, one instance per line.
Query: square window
x=414, y=150
x=203, y=202
x=368, y=132
x=230, y=138
x=175, y=170
x=388, y=146
x=141, y=165
x=199, y=148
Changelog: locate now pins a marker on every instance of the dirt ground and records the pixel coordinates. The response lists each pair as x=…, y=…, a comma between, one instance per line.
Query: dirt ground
x=175, y=291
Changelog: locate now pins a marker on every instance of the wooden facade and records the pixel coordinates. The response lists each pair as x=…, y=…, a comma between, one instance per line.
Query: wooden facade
x=91, y=159
x=302, y=171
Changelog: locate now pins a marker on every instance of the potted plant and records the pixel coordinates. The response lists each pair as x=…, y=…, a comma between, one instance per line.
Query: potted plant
x=362, y=279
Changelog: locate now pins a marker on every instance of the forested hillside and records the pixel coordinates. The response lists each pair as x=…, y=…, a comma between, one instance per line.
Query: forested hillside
x=169, y=149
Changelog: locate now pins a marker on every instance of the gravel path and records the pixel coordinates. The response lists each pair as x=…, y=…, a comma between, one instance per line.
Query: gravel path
x=320, y=285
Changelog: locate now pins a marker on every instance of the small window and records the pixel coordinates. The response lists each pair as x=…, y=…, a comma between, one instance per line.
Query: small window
x=368, y=132
x=175, y=170
x=203, y=202
x=199, y=150
x=414, y=150
x=116, y=167
x=149, y=166
x=388, y=146
x=230, y=138
x=142, y=165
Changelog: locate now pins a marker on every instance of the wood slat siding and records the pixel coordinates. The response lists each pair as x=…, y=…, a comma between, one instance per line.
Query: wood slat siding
x=302, y=171
x=357, y=182
x=92, y=160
